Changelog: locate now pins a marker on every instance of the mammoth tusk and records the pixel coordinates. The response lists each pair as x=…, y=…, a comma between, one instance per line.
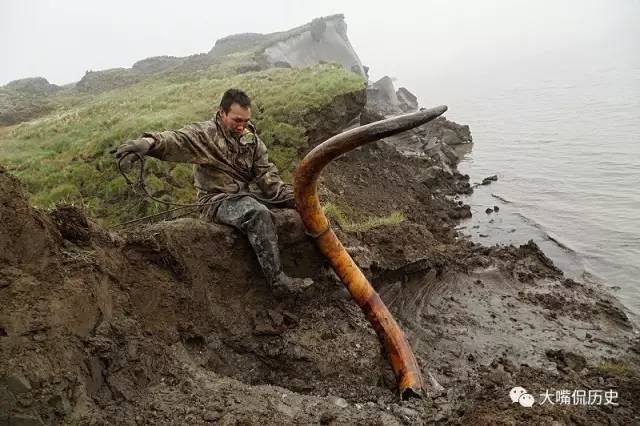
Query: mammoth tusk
x=402, y=360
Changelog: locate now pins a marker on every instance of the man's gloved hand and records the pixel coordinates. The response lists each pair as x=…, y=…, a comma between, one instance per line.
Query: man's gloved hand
x=135, y=146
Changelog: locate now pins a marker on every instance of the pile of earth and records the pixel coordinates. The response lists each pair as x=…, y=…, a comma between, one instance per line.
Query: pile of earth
x=172, y=322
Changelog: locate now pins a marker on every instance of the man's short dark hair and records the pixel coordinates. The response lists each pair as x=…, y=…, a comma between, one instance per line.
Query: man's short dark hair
x=234, y=96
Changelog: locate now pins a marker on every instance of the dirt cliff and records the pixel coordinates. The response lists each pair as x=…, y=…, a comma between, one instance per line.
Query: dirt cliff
x=172, y=323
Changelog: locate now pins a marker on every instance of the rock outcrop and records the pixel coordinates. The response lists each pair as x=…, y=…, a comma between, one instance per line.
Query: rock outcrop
x=435, y=139
x=407, y=101
x=322, y=40
x=237, y=43
x=25, y=99
x=101, y=81
x=157, y=64
x=382, y=97
x=32, y=86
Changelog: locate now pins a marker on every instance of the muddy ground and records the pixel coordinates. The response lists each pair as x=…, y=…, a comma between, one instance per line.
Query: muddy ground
x=172, y=323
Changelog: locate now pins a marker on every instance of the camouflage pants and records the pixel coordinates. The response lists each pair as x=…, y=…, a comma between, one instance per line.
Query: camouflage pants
x=254, y=220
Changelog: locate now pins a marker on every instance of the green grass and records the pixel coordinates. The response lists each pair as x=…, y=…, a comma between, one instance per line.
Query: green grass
x=64, y=156
x=615, y=368
x=351, y=221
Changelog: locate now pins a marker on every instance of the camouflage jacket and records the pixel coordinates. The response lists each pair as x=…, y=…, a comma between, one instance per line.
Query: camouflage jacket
x=224, y=167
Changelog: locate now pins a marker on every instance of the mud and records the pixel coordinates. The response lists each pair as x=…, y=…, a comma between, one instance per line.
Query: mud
x=173, y=323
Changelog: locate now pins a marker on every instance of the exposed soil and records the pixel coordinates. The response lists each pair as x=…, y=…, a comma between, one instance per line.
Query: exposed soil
x=172, y=323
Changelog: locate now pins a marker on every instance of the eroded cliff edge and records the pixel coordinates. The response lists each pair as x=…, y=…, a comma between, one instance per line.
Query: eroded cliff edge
x=172, y=323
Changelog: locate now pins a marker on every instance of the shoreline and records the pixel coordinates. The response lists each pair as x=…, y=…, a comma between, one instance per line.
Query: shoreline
x=508, y=226
x=170, y=313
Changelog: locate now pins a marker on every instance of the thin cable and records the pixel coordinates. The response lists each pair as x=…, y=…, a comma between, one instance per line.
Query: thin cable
x=140, y=188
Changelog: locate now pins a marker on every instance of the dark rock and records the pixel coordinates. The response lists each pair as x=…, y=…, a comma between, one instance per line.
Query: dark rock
x=489, y=210
x=264, y=329
x=499, y=376
x=327, y=122
x=566, y=360
x=489, y=179
x=17, y=383
x=370, y=115
x=327, y=417
x=72, y=223
x=211, y=416
x=290, y=318
x=382, y=98
x=496, y=209
x=60, y=404
x=568, y=282
x=276, y=317
x=407, y=101
x=448, y=132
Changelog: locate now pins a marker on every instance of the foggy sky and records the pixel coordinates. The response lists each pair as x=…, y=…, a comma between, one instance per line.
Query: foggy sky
x=447, y=42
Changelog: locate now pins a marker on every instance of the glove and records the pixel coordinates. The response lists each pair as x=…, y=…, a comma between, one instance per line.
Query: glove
x=140, y=146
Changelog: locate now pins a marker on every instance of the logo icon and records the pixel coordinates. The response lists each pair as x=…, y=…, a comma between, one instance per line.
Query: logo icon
x=520, y=395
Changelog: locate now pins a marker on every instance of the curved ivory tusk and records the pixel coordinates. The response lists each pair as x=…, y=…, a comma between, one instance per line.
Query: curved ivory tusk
x=398, y=350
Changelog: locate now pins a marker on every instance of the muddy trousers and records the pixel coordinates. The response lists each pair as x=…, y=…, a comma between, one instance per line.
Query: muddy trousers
x=254, y=220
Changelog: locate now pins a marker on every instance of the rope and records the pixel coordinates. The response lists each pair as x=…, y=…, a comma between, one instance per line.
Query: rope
x=140, y=188
x=141, y=185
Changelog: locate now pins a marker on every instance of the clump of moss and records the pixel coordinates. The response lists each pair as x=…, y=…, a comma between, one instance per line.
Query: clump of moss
x=351, y=221
x=615, y=368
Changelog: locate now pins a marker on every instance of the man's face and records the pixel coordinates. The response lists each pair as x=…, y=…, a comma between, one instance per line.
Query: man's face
x=236, y=119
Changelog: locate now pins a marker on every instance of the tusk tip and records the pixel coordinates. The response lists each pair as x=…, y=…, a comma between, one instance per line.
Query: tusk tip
x=442, y=109
x=439, y=110
x=410, y=392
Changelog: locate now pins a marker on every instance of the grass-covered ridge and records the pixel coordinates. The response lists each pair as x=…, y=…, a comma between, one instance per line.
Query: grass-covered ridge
x=64, y=156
